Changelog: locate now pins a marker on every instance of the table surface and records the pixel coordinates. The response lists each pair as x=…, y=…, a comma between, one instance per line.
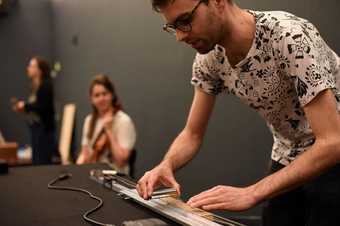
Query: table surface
x=26, y=200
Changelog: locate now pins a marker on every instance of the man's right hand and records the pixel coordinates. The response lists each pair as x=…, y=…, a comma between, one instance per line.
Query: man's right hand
x=183, y=149
x=160, y=175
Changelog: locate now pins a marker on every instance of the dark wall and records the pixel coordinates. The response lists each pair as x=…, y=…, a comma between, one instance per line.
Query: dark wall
x=25, y=31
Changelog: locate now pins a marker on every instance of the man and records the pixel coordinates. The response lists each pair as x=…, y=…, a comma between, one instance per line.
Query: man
x=279, y=65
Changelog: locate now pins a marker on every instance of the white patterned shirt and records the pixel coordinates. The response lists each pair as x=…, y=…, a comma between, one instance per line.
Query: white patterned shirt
x=287, y=66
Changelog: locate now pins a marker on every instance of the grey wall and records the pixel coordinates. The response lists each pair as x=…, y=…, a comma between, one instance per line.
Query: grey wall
x=123, y=39
x=26, y=31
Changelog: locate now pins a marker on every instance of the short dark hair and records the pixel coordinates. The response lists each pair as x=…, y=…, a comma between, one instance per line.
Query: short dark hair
x=158, y=4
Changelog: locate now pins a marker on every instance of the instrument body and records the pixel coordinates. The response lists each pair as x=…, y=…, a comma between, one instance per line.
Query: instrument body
x=165, y=204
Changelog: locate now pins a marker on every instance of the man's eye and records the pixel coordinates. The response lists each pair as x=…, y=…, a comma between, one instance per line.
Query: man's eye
x=185, y=20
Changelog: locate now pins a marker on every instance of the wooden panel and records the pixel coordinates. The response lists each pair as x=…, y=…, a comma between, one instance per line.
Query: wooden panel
x=67, y=127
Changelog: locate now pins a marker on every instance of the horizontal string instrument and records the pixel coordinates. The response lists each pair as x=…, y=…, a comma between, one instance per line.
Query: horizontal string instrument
x=164, y=202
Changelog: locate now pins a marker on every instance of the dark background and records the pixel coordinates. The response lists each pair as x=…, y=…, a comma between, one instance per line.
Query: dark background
x=123, y=39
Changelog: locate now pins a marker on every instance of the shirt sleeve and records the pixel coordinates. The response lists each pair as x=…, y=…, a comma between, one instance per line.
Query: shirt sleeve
x=84, y=139
x=126, y=132
x=308, y=60
x=205, y=75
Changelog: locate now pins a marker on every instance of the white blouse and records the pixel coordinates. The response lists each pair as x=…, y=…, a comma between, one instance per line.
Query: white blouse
x=122, y=128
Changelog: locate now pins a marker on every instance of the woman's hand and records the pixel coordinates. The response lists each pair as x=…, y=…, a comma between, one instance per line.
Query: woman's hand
x=19, y=106
x=119, y=155
x=107, y=122
x=84, y=156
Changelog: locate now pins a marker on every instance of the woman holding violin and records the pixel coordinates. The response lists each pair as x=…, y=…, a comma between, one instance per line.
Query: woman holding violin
x=109, y=134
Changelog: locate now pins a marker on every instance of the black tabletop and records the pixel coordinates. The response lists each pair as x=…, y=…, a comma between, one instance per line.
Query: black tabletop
x=26, y=200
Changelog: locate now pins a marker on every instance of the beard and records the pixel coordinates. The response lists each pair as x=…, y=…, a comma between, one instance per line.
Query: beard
x=206, y=49
x=203, y=46
x=212, y=36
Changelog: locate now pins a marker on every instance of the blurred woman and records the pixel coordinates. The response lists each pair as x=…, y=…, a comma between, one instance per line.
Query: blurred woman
x=40, y=111
x=109, y=134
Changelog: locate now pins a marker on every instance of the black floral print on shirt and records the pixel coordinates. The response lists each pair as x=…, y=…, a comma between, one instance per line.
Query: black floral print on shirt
x=288, y=65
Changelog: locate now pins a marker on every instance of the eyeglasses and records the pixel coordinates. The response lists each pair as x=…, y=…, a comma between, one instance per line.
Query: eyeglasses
x=183, y=23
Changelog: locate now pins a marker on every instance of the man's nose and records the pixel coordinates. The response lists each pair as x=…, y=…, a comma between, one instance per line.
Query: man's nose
x=181, y=36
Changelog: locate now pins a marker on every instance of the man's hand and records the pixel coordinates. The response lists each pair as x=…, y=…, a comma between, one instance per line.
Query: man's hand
x=160, y=175
x=183, y=149
x=224, y=198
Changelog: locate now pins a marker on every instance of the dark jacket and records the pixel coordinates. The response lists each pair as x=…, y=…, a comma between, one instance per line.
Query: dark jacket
x=44, y=105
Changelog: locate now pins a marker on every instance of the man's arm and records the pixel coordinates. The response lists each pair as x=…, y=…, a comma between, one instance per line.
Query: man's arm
x=183, y=149
x=187, y=143
x=324, y=119
x=324, y=153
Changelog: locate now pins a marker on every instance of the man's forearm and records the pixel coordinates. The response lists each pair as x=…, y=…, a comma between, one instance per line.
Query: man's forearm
x=319, y=158
x=182, y=150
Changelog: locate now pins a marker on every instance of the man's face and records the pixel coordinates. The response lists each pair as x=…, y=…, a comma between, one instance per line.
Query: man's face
x=206, y=26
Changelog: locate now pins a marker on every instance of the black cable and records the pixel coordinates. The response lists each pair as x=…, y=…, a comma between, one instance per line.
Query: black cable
x=87, y=213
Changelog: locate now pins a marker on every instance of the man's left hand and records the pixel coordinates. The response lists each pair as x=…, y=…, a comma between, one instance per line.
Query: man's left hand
x=225, y=198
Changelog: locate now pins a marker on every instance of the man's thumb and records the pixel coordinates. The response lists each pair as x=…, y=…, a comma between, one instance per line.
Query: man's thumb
x=176, y=186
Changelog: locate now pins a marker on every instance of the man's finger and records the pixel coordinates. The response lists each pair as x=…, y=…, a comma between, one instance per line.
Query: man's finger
x=206, y=201
x=142, y=186
x=203, y=195
x=178, y=188
x=171, y=182
x=218, y=206
x=150, y=186
x=139, y=189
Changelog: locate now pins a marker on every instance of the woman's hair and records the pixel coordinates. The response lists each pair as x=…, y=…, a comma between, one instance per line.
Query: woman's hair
x=43, y=66
x=102, y=80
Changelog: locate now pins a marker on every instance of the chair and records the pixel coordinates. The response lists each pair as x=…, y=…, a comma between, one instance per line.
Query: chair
x=132, y=162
